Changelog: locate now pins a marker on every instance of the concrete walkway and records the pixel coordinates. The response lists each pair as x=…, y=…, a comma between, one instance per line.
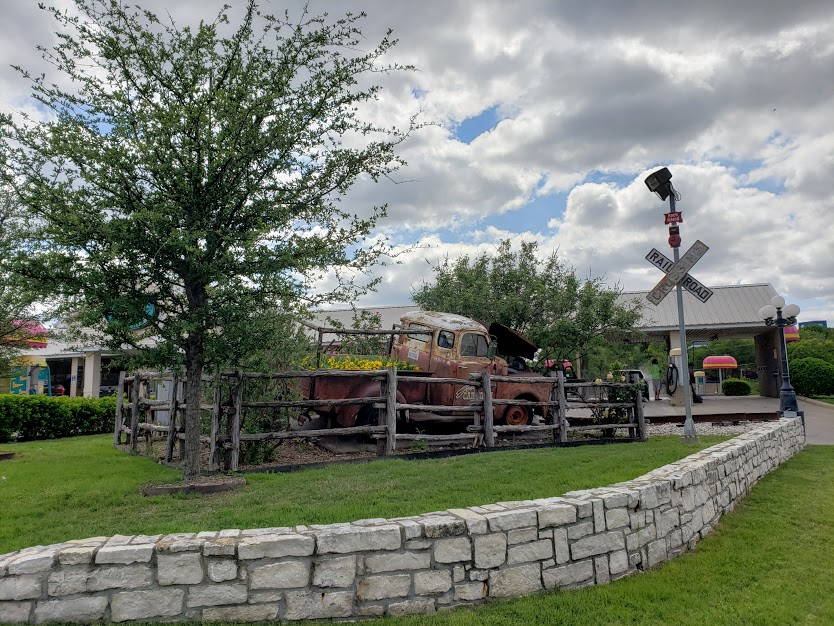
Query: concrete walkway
x=819, y=416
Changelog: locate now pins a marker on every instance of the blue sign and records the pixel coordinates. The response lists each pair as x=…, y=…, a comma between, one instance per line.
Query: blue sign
x=822, y=323
x=150, y=313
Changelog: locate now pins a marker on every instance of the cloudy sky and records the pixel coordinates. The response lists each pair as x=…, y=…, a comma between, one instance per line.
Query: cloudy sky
x=549, y=114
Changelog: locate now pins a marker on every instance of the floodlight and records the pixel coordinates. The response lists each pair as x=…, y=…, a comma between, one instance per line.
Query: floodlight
x=659, y=182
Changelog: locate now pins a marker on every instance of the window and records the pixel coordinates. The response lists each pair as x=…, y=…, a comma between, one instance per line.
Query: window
x=445, y=339
x=472, y=344
x=421, y=337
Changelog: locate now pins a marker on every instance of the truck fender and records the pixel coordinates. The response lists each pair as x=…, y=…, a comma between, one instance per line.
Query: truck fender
x=347, y=415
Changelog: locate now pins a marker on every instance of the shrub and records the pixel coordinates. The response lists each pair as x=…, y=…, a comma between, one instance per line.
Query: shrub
x=735, y=387
x=26, y=418
x=812, y=377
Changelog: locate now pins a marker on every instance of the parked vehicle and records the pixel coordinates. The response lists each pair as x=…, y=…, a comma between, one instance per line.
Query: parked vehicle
x=441, y=345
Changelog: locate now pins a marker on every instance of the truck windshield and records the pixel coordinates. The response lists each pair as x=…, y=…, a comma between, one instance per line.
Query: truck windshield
x=472, y=344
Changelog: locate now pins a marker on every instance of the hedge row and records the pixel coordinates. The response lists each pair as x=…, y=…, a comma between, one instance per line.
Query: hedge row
x=812, y=377
x=26, y=418
x=735, y=387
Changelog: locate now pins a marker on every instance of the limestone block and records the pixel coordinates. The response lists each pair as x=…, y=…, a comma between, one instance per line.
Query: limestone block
x=125, y=555
x=20, y=588
x=67, y=582
x=306, y=605
x=216, y=595
x=617, y=518
x=411, y=528
x=561, y=551
x=582, y=529
x=515, y=581
x=336, y=572
x=527, y=552
x=221, y=546
x=666, y=522
x=15, y=612
x=418, y=544
x=433, y=581
x=657, y=552
x=476, y=523
x=508, y=520
x=435, y=526
x=566, y=575
x=120, y=577
x=478, y=574
x=458, y=573
x=521, y=535
x=490, y=550
x=346, y=539
x=142, y=605
x=266, y=596
x=275, y=546
x=597, y=544
x=618, y=562
x=556, y=515
x=453, y=550
x=118, y=540
x=412, y=607
x=382, y=587
x=284, y=575
x=470, y=591
x=242, y=613
x=619, y=500
x=603, y=576
x=180, y=568
x=84, y=610
x=599, y=516
x=32, y=563
x=393, y=561
x=221, y=570
x=81, y=555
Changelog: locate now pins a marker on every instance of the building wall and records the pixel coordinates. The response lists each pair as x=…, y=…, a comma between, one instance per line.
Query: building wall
x=411, y=565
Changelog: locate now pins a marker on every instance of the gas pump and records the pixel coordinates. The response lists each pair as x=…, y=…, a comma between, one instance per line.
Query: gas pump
x=674, y=371
x=30, y=377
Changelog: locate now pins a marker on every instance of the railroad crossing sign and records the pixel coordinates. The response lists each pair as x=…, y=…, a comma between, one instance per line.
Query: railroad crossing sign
x=678, y=273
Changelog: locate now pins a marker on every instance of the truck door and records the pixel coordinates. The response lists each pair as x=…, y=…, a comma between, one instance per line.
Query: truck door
x=473, y=349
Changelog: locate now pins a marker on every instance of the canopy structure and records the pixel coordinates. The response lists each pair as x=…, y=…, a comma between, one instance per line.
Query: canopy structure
x=724, y=362
x=26, y=334
x=791, y=334
x=720, y=363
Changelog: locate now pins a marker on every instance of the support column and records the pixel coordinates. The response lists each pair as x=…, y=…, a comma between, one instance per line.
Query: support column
x=73, y=388
x=92, y=374
x=769, y=363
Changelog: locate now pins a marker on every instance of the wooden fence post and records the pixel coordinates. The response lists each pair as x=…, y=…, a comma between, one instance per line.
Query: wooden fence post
x=563, y=407
x=214, y=449
x=489, y=414
x=149, y=409
x=134, y=413
x=391, y=411
x=234, y=456
x=117, y=435
x=172, y=422
x=641, y=418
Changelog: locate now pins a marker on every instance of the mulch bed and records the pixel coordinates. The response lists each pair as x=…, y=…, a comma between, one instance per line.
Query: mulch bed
x=203, y=484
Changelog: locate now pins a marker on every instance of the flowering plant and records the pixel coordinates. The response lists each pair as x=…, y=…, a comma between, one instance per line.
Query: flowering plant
x=355, y=362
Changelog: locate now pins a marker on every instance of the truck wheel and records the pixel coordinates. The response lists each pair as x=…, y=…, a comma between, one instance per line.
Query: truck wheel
x=518, y=416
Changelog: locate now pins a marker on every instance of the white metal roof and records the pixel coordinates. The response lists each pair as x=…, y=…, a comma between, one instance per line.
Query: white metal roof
x=732, y=311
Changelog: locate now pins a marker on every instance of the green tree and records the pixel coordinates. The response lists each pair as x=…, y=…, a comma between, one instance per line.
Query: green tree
x=545, y=301
x=814, y=342
x=15, y=315
x=199, y=170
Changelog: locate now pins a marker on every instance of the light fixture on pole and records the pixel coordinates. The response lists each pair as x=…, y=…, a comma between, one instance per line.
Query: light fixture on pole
x=779, y=315
x=660, y=183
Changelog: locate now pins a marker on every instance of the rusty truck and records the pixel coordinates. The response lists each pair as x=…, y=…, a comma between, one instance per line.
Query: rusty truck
x=441, y=345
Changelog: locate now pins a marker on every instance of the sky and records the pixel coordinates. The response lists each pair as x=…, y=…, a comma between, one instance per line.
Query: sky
x=545, y=117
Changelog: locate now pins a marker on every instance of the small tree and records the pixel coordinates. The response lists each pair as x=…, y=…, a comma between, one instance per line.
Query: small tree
x=189, y=181
x=545, y=301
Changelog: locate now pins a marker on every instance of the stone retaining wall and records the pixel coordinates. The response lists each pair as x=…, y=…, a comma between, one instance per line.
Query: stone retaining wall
x=395, y=566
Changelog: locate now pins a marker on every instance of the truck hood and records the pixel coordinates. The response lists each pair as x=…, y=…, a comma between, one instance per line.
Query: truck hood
x=512, y=343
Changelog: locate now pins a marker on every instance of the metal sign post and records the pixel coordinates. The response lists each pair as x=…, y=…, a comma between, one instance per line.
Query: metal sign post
x=677, y=277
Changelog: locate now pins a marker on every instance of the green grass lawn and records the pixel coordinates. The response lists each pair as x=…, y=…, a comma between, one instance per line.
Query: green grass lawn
x=82, y=487
x=829, y=399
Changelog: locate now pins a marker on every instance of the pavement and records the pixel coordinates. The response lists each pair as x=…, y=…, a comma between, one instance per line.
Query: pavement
x=819, y=416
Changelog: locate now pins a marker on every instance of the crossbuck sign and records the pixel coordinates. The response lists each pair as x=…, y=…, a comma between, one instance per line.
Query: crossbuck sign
x=678, y=273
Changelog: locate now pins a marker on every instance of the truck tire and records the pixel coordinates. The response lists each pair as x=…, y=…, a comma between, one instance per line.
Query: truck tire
x=518, y=416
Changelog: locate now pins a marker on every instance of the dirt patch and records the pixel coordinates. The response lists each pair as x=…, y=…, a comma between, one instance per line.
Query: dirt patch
x=7, y=456
x=202, y=484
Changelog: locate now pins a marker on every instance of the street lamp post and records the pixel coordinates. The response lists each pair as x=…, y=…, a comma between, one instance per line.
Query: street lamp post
x=779, y=315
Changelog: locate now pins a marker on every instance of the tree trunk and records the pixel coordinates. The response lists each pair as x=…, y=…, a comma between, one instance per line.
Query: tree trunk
x=193, y=373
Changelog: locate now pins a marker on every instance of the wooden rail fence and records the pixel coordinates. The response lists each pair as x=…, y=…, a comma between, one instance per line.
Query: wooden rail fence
x=223, y=417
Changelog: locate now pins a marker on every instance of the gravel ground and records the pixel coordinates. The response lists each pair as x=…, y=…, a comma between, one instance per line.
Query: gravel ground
x=704, y=428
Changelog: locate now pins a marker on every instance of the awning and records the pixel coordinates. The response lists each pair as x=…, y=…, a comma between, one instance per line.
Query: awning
x=724, y=362
x=791, y=334
x=26, y=334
